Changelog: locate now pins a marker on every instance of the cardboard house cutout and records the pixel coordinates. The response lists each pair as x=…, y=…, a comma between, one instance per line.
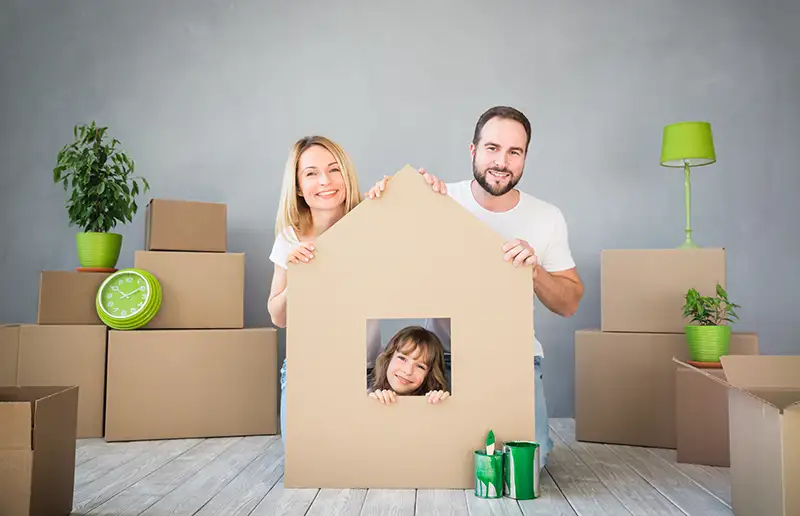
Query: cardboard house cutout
x=412, y=253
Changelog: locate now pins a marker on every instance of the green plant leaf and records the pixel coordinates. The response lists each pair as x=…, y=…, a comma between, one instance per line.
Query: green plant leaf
x=103, y=193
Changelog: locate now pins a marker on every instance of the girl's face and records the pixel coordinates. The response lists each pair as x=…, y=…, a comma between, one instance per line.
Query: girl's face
x=406, y=371
x=320, y=179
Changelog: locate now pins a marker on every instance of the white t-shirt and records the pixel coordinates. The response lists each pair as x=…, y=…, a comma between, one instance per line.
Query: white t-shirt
x=538, y=222
x=285, y=243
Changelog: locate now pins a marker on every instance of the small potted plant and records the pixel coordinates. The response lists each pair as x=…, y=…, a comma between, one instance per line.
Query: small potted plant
x=709, y=333
x=104, y=193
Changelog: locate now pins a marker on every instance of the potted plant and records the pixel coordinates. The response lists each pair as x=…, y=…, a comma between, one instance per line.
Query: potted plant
x=709, y=333
x=104, y=193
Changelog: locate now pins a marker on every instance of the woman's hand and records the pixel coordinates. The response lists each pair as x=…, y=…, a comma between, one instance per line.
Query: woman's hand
x=386, y=396
x=437, y=396
x=437, y=185
x=303, y=253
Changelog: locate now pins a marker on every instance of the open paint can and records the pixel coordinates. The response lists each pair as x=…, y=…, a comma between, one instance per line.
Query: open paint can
x=521, y=477
x=489, y=474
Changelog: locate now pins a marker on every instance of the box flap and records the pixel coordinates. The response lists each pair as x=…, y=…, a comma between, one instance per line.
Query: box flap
x=16, y=419
x=779, y=391
x=762, y=371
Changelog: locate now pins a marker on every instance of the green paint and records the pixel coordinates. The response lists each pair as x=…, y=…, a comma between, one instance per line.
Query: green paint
x=488, y=474
x=521, y=476
x=490, y=443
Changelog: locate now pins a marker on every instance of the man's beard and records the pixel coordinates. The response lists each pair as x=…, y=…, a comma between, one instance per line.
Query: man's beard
x=495, y=190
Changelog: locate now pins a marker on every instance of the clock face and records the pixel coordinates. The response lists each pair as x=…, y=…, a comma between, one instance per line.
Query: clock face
x=125, y=294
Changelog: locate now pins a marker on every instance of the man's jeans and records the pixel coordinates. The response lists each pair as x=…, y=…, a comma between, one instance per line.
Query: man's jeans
x=542, y=430
x=540, y=409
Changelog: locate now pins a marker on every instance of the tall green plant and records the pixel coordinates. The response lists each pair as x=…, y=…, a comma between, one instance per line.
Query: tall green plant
x=104, y=189
x=709, y=310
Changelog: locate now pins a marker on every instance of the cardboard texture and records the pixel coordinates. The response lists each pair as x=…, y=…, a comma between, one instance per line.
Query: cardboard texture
x=68, y=297
x=181, y=225
x=37, y=450
x=56, y=355
x=642, y=290
x=625, y=385
x=701, y=418
x=200, y=290
x=191, y=383
x=764, y=420
x=437, y=253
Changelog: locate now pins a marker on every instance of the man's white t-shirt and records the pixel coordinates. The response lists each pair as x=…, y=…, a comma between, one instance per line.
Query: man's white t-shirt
x=285, y=243
x=538, y=222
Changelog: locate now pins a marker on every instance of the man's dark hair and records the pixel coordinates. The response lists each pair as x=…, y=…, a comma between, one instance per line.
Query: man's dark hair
x=502, y=112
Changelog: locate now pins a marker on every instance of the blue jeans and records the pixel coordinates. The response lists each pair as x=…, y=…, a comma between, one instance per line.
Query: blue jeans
x=283, y=402
x=542, y=430
x=540, y=409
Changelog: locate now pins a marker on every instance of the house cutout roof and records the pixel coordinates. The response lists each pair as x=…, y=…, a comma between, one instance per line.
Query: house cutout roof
x=412, y=253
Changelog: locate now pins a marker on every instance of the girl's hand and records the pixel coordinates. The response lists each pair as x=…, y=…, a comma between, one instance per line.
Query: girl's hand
x=303, y=253
x=385, y=396
x=437, y=396
x=376, y=190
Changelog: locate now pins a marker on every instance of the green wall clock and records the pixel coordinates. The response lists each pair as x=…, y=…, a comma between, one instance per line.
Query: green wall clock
x=128, y=299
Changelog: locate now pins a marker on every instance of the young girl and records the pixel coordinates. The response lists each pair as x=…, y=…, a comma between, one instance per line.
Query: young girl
x=319, y=187
x=411, y=365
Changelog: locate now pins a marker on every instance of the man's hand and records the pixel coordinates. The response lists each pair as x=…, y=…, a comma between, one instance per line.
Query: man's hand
x=437, y=185
x=386, y=396
x=437, y=396
x=519, y=252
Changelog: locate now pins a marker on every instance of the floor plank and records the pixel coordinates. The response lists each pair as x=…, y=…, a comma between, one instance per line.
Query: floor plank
x=243, y=476
x=241, y=496
x=677, y=487
x=586, y=493
x=338, y=502
x=633, y=491
x=389, y=502
x=441, y=502
x=285, y=502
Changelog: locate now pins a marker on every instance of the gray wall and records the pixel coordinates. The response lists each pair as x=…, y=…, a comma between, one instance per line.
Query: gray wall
x=207, y=97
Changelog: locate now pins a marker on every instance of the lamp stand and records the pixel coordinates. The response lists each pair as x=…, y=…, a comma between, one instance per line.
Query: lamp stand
x=687, y=191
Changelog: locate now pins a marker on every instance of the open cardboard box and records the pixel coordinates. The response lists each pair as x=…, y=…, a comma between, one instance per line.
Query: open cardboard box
x=412, y=253
x=764, y=417
x=38, y=426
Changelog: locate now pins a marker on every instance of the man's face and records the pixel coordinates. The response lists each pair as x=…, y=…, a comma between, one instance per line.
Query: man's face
x=499, y=157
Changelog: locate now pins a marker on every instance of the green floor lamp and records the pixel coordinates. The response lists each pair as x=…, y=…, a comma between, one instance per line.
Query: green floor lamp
x=685, y=145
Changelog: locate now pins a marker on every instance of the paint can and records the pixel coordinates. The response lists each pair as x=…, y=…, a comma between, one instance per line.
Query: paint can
x=489, y=474
x=521, y=476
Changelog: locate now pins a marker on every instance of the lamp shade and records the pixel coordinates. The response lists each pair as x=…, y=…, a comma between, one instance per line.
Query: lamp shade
x=687, y=142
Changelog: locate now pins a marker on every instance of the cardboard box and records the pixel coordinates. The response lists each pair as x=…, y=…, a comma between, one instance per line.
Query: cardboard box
x=68, y=297
x=642, y=290
x=331, y=420
x=37, y=450
x=55, y=355
x=200, y=290
x=176, y=225
x=625, y=385
x=191, y=383
x=764, y=420
x=701, y=418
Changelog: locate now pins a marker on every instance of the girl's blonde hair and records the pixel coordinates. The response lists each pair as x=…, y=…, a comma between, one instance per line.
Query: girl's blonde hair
x=407, y=341
x=293, y=212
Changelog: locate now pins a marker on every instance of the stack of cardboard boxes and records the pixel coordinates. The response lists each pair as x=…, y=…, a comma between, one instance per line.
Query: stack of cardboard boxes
x=628, y=390
x=194, y=370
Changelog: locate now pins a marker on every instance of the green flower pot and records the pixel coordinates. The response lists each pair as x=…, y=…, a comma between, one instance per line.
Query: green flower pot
x=708, y=343
x=98, y=250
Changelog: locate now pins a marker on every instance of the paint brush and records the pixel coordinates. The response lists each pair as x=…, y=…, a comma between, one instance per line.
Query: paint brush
x=490, y=443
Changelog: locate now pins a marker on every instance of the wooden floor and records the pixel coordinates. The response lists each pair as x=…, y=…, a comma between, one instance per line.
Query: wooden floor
x=243, y=476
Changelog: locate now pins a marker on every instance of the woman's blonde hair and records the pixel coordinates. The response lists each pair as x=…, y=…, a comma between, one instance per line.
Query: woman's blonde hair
x=293, y=212
x=408, y=341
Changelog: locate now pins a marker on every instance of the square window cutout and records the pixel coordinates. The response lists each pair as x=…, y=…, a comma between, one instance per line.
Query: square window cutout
x=409, y=356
